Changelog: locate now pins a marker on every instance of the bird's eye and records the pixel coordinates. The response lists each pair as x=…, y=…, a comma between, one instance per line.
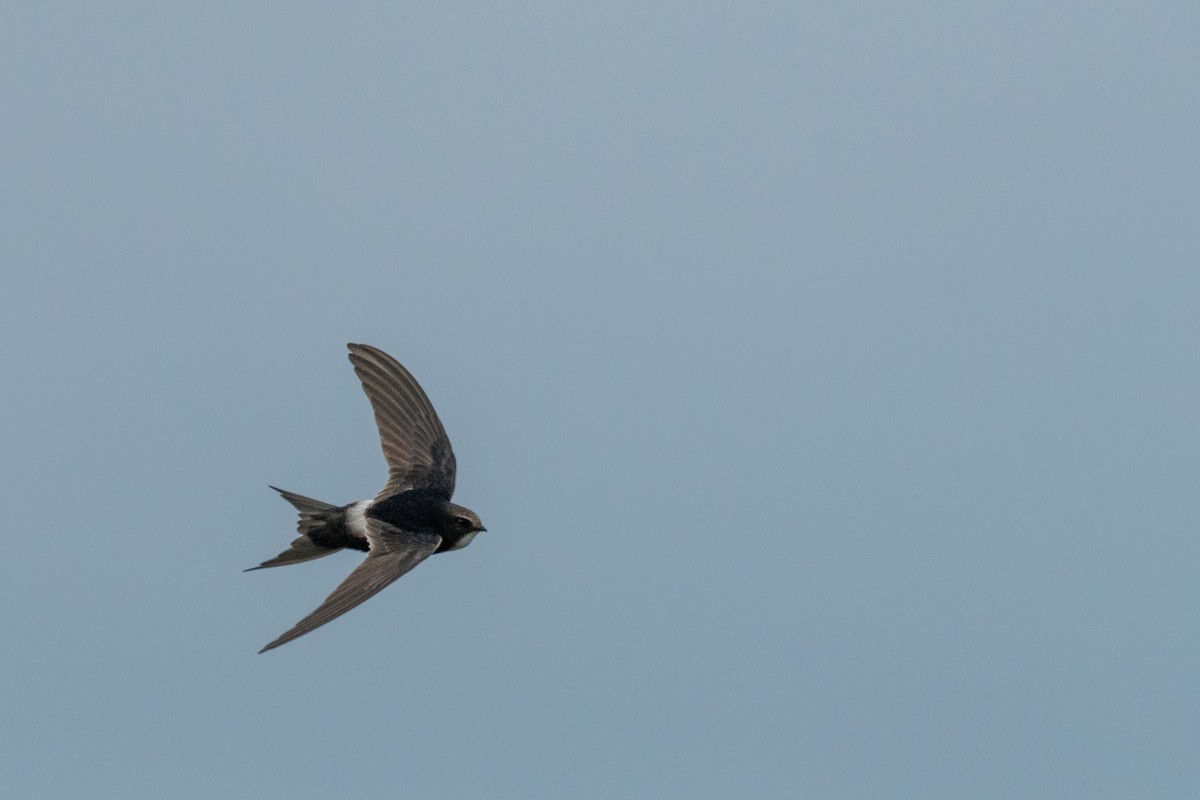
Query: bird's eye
x=463, y=522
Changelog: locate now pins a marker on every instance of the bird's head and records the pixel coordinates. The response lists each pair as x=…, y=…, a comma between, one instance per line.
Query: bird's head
x=462, y=521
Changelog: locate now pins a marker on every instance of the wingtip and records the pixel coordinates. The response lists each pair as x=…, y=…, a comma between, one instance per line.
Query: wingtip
x=272, y=645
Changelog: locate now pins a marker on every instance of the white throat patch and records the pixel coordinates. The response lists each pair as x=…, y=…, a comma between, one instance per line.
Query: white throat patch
x=464, y=541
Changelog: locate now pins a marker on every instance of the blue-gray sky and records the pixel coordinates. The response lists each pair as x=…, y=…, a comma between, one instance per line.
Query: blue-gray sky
x=826, y=376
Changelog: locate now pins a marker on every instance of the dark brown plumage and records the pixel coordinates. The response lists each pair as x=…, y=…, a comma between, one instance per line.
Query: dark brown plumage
x=409, y=520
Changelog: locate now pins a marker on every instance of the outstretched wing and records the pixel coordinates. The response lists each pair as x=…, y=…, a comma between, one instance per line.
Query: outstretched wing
x=415, y=445
x=393, y=553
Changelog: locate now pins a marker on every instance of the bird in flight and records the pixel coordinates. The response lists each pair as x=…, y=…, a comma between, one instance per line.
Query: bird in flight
x=409, y=520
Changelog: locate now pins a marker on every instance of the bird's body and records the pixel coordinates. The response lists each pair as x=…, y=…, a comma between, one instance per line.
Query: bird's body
x=409, y=520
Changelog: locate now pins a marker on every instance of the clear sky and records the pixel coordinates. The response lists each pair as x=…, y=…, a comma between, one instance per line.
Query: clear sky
x=825, y=374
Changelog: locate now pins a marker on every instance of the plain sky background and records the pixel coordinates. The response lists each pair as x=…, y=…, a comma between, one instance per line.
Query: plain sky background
x=825, y=374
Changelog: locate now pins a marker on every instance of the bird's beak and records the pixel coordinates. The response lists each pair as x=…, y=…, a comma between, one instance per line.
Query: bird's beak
x=482, y=529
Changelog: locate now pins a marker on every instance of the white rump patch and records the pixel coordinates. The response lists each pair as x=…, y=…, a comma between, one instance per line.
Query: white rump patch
x=356, y=518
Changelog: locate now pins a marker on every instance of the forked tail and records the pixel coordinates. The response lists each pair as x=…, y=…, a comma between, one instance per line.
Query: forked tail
x=315, y=517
